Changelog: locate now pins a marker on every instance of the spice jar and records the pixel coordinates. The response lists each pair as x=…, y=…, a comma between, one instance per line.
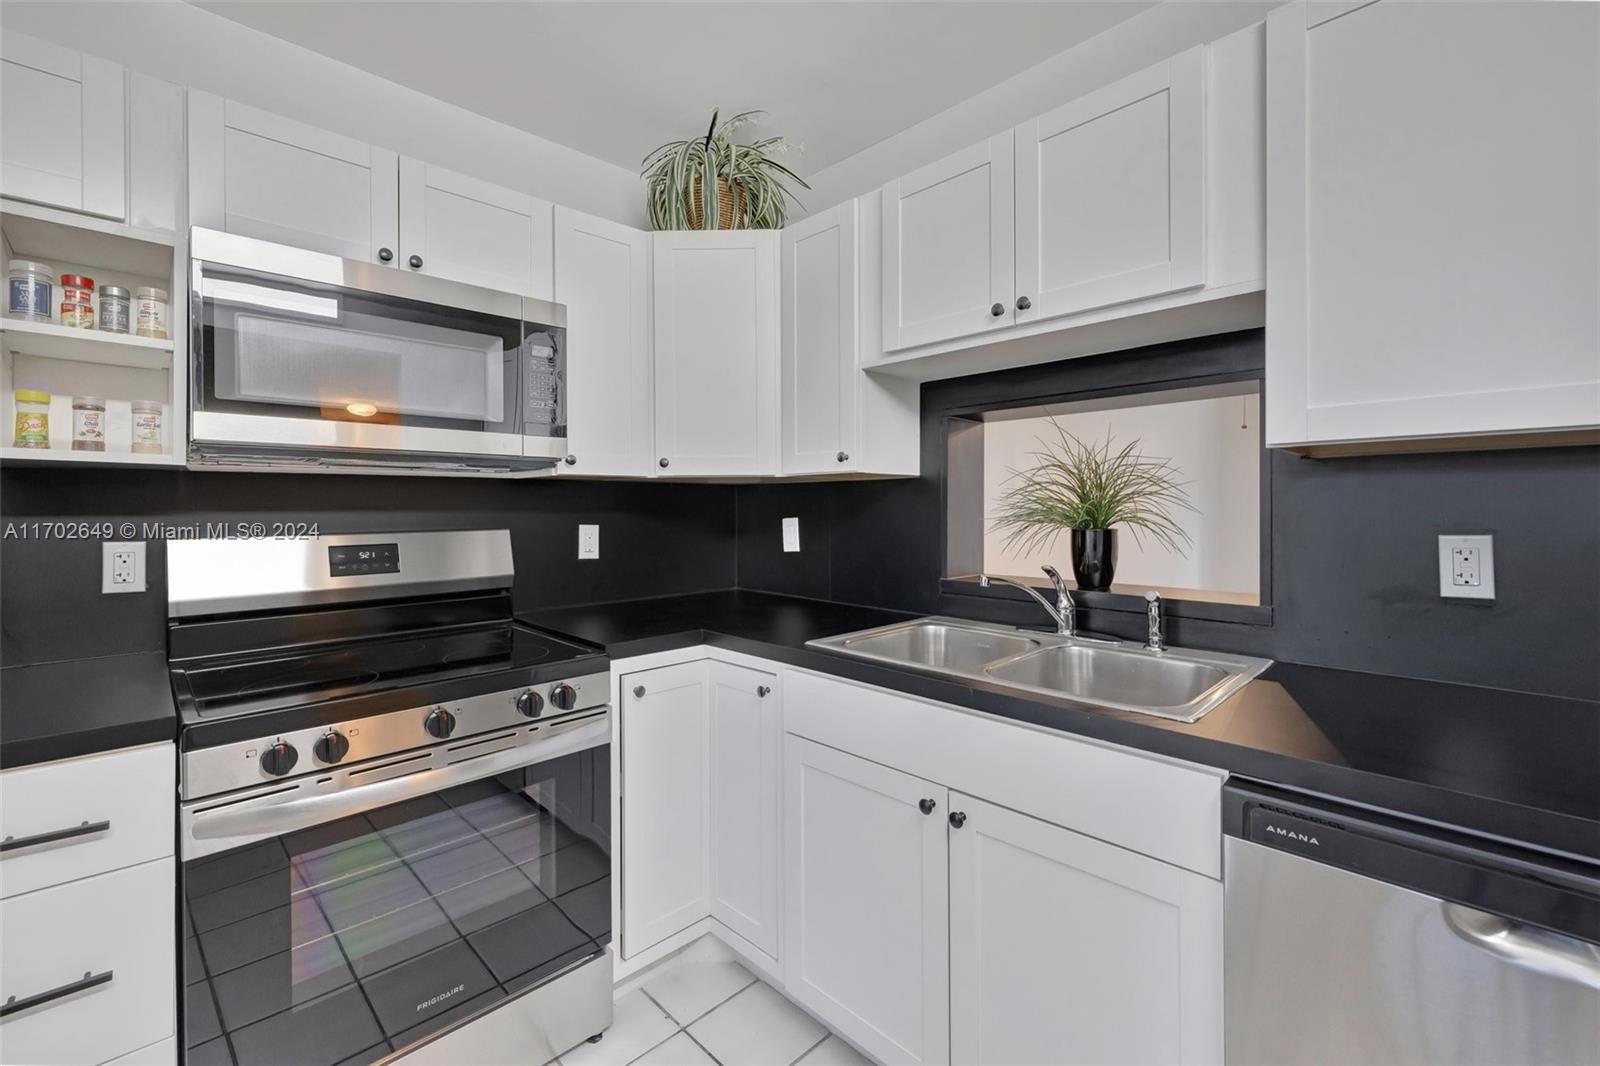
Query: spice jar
x=147, y=427
x=30, y=292
x=88, y=424
x=150, y=312
x=115, y=310
x=77, y=289
x=33, y=419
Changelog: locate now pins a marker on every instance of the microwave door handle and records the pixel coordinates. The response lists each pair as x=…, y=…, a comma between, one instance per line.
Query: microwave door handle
x=276, y=818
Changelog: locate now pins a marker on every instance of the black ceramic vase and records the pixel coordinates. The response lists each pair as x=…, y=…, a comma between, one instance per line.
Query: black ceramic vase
x=1094, y=557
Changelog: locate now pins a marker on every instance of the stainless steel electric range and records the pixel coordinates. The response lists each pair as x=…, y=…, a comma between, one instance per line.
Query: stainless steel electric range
x=395, y=810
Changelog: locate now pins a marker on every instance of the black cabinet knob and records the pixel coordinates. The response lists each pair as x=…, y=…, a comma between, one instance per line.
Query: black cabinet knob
x=1023, y=303
x=331, y=747
x=564, y=697
x=279, y=758
x=843, y=457
x=926, y=806
x=416, y=262
x=385, y=254
x=958, y=819
x=440, y=723
x=529, y=704
x=638, y=692
x=571, y=460
x=761, y=691
x=997, y=310
x=664, y=463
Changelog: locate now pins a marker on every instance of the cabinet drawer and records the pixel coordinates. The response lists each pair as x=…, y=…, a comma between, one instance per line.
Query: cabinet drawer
x=119, y=924
x=90, y=815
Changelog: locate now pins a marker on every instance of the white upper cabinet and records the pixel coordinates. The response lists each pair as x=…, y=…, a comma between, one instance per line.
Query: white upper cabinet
x=264, y=176
x=1111, y=193
x=1433, y=221
x=745, y=761
x=64, y=117
x=820, y=342
x=464, y=229
x=716, y=352
x=948, y=263
x=602, y=276
x=1067, y=949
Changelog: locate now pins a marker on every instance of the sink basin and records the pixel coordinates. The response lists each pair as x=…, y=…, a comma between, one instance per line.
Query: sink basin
x=937, y=645
x=1111, y=675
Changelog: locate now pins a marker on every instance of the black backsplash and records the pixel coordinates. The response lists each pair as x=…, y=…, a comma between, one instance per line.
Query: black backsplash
x=1354, y=562
x=655, y=540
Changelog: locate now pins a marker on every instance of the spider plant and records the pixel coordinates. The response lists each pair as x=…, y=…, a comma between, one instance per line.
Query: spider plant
x=1082, y=485
x=684, y=178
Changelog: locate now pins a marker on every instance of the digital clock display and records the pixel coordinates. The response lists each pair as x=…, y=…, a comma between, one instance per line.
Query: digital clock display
x=349, y=560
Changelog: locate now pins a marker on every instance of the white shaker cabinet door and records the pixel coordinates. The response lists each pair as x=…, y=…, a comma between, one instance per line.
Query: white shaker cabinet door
x=1433, y=221
x=948, y=247
x=745, y=760
x=866, y=946
x=457, y=227
x=1111, y=193
x=716, y=352
x=664, y=803
x=603, y=279
x=64, y=121
x=268, y=177
x=820, y=386
x=1066, y=949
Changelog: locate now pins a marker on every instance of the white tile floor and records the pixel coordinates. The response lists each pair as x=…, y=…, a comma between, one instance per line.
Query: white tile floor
x=711, y=1013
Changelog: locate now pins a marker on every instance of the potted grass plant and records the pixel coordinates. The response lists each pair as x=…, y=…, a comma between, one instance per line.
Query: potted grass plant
x=1090, y=489
x=713, y=182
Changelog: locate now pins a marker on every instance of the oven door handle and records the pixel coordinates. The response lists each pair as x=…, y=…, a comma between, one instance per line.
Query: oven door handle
x=272, y=815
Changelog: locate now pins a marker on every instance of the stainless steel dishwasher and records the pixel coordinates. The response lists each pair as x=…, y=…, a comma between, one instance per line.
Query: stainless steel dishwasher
x=1353, y=937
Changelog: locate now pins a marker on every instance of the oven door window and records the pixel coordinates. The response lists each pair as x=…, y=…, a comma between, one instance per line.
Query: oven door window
x=362, y=936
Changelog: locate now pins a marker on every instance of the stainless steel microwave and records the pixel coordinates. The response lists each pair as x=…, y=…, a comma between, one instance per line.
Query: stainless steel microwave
x=305, y=361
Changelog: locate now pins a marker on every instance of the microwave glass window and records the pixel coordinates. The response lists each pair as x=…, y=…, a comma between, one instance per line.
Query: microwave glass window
x=364, y=935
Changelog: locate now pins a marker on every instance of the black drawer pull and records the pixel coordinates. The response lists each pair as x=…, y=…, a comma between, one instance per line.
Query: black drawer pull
x=89, y=980
x=11, y=843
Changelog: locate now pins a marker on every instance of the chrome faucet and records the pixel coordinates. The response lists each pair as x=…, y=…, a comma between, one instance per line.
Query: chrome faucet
x=1155, y=641
x=1062, y=612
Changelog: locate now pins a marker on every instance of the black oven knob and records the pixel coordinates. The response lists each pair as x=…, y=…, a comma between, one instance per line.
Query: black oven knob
x=530, y=703
x=440, y=723
x=331, y=747
x=564, y=697
x=279, y=758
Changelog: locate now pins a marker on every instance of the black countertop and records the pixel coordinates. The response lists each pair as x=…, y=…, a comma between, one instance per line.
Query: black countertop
x=82, y=706
x=1521, y=767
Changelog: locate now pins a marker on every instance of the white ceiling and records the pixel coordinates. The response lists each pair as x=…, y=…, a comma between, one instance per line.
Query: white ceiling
x=615, y=79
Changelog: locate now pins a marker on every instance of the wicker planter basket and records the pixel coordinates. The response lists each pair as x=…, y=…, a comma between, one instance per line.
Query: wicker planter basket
x=729, y=214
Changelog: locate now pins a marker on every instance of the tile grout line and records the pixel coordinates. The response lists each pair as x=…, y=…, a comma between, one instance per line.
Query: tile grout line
x=826, y=1032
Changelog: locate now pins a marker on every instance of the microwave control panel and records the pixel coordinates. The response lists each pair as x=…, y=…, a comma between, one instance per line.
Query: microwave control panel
x=541, y=383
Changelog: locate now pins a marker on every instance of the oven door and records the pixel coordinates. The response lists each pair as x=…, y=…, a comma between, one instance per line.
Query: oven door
x=354, y=915
x=299, y=354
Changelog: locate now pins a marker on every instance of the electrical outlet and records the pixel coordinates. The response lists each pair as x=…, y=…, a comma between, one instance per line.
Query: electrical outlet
x=791, y=534
x=588, y=542
x=1466, y=567
x=122, y=566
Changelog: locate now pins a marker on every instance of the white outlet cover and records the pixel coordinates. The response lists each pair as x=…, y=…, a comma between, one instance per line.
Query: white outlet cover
x=588, y=542
x=1483, y=545
x=791, y=534
x=109, y=552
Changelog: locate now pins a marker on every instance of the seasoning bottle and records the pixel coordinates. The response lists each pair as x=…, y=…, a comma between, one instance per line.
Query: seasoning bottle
x=88, y=424
x=115, y=310
x=147, y=427
x=33, y=419
x=29, y=290
x=150, y=312
x=77, y=301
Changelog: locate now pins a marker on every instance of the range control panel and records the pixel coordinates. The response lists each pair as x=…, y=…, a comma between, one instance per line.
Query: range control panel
x=348, y=560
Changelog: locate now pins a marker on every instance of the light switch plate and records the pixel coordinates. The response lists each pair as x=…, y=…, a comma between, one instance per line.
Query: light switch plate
x=588, y=542
x=791, y=534
x=122, y=566
x=1466, y=566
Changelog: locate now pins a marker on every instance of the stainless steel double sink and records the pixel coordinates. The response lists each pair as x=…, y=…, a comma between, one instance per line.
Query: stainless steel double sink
x=1174, y=683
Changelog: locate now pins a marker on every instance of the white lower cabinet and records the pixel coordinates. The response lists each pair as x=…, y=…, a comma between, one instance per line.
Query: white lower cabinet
x=867, y=945
x=1066, y=949
x=745, y=763
x=115, y=927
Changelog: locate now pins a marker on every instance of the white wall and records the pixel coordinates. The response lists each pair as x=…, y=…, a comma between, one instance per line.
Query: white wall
x=1220, y=461
x=193, y=47
x=1128, y=47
